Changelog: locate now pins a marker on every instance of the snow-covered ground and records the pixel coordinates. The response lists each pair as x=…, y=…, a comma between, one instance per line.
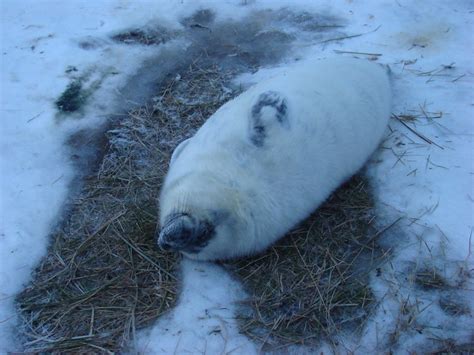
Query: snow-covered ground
x=41, y=42
x=423, y=172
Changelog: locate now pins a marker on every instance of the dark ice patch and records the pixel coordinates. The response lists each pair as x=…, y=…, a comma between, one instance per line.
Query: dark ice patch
x=83, y=84
x=241, y=46
x=259, y=125
x=263, y=37
x=72, y=98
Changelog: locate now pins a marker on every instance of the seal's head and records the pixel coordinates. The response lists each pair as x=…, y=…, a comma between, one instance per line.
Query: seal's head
x=200, y=234
x=202, y=217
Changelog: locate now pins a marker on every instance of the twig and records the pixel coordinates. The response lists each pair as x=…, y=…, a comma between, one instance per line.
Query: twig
x=459, y=77
x=347, y=37
x=34, y=117
x=59, y=178
x=383, y=230
x=426, y=139
x=364, y=53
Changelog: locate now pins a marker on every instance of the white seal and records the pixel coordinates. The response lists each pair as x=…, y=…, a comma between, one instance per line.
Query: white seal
x=268, y=158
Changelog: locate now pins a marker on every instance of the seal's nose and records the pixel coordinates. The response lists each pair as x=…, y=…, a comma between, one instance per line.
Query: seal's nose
x=176, y=233
x=164, y=241
x=164, y=245
x=185, y=233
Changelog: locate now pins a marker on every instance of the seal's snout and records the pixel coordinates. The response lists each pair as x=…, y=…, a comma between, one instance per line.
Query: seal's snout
x=177, y=232
x=184, y=232
x=176, y=240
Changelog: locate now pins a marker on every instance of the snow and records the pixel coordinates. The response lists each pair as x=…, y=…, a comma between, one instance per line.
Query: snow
x=203, y=322
x=430, y=185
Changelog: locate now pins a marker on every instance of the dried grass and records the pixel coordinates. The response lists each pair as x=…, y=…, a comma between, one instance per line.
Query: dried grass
x=104, y=277
x=314, y=282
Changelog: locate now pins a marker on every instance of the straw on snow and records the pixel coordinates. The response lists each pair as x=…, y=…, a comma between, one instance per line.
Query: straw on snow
x=104, y=277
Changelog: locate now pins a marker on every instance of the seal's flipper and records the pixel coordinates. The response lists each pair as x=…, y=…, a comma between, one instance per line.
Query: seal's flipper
x=270, y=109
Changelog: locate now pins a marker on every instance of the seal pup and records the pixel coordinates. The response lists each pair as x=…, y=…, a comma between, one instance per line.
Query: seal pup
x=268, y=158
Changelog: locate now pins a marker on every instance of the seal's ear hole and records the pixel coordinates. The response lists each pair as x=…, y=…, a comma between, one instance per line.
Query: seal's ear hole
x=178, y=150
x=270, y=111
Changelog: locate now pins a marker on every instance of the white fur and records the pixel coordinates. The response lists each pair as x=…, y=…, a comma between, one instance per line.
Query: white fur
x=337, y=112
